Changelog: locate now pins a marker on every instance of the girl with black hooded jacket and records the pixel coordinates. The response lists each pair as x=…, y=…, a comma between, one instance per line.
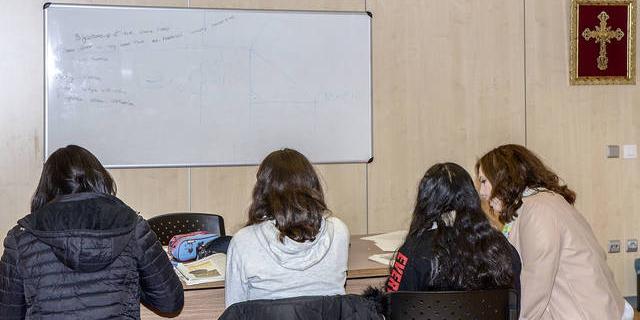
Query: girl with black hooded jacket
x=82, y=253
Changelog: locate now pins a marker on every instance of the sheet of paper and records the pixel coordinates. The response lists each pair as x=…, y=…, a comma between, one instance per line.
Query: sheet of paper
x=383, y=258
x=390, y=241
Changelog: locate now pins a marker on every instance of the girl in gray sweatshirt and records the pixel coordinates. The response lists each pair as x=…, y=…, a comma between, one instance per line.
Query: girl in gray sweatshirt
x=290, y=246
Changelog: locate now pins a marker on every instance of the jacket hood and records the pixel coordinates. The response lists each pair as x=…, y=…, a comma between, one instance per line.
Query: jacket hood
x=291, y=254
x=86, y=231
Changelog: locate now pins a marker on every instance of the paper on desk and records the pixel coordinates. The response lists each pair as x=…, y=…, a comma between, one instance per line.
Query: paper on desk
x=209, y=269
x=384, y=258
x=390, y=241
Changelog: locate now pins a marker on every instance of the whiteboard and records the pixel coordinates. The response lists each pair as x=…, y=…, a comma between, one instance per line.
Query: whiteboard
x=164, y=87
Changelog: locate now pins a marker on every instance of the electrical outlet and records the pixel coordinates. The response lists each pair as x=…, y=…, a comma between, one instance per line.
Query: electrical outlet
x=614, y=246
x=613, y=151
x=629, y=151
x=632, y=245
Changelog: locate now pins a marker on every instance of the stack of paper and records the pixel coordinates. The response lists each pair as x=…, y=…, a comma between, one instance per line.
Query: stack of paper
x=209, y=269
x=388, y=241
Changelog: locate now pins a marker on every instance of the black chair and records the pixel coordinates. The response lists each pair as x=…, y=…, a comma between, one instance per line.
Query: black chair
x=168, y=225
x=336, y=307
x=637, y=267
x=453, y=305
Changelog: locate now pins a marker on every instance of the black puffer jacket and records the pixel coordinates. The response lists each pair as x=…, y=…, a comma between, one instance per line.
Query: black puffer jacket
x=85, y=256
x=337, y=307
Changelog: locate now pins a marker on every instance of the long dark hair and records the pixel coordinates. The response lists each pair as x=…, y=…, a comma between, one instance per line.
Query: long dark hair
x=68, y=170
x=468, y=253
x=510, y=169
x=288, y=190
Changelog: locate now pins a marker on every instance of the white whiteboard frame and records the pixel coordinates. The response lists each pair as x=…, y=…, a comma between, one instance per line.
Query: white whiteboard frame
x=46, y=147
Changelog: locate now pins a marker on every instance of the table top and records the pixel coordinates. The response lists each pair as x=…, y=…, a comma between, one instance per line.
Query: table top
x=359, y=266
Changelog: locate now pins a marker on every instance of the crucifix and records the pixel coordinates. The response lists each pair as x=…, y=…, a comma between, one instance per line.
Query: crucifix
x=603, y=35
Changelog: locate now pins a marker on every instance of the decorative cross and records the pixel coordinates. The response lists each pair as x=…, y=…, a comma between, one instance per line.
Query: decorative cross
x=603, y=35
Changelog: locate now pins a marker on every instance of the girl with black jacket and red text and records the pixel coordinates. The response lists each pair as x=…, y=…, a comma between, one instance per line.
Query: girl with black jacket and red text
x=82, y=253
x=451, y=244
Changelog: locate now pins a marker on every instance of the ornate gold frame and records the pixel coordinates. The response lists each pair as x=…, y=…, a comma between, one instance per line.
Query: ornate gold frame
x=630, y=78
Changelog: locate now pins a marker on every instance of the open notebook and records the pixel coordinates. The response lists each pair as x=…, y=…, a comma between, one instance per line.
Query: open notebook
x=208, y=269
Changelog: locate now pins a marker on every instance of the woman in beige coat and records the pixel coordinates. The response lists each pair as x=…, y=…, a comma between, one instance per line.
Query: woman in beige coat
x=564, y=272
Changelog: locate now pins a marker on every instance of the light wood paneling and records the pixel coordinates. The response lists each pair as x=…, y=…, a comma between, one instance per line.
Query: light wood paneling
x=333, y=5
x=21, y=108
x=448, y=84
x=345, y=192
x=225, y=191
x=569, y=126
x=154, y=191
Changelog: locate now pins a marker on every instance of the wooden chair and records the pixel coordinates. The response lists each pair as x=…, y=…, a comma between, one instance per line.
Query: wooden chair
x=453, y=305
x=167, y=225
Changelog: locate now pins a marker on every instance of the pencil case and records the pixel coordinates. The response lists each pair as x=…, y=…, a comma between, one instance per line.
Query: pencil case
x=183, y=247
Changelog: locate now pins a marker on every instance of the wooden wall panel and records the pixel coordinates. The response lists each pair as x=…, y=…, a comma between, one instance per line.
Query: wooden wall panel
x=448, y=85
x=569, y=126
x=345, y=190
x=337, y=5
x=225, y=191
x=154, y=191
x=21, y=108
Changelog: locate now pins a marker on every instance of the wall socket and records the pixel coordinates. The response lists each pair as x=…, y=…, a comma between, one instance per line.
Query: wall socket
x=613, y=151
x=632, y=245
x=614, y=246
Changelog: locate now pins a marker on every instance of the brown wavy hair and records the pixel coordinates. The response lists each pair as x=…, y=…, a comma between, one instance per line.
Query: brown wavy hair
x=288, y=191
x=510, y=169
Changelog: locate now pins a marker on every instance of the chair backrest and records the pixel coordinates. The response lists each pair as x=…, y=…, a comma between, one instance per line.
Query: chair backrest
x=168, y=225
x=637, y=266
x=453, y=305
x=350, y=306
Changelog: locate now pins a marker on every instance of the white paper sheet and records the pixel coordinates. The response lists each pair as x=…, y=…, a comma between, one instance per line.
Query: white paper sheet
x=390, y=241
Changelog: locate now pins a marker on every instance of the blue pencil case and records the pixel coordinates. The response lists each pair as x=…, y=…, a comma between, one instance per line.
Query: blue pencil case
x=183, y=247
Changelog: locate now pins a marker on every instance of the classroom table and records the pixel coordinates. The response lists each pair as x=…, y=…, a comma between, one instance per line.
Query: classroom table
x=206, y=301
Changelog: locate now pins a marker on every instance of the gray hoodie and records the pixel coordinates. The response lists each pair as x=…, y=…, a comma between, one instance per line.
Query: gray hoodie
x=259, y=266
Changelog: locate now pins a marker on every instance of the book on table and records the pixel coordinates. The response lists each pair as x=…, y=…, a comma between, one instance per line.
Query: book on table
x=208, y=269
